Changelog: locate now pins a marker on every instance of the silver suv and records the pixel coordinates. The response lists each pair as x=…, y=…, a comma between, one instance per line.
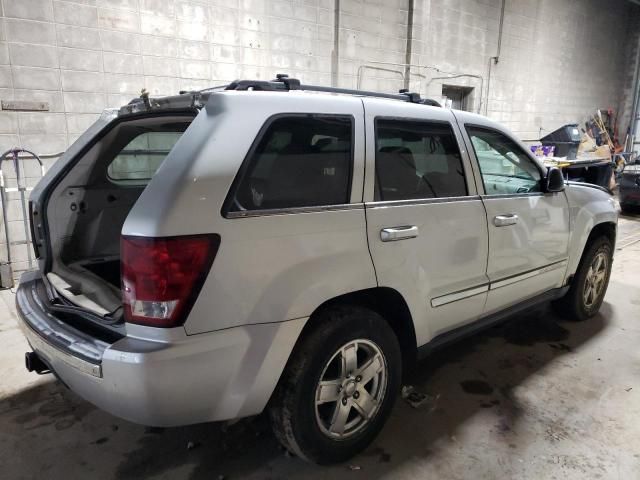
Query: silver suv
x=278, y=246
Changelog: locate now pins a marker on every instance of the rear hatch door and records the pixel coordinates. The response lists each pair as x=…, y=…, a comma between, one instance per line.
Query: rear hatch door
x=190, y=102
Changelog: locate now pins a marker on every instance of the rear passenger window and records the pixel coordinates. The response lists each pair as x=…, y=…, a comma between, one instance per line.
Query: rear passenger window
x=300, y=161
x=416, y=159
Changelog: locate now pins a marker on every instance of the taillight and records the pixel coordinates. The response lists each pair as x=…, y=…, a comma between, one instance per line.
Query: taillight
x=161, y=277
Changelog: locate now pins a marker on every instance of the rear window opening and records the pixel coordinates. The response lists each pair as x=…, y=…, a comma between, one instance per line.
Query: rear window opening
x=87, y=209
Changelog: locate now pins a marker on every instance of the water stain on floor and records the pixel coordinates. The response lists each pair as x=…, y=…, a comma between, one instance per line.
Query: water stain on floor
x=561, y=346
x=476, y=387
x=491, y=404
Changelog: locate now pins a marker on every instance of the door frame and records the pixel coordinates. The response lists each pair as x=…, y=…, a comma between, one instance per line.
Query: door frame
x=527, y=273
x=405, y=114
x=419, y=306
x=475, y=165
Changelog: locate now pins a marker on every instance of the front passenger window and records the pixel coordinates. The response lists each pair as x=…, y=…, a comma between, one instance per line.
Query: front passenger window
x=505, y=168
x=416, y=159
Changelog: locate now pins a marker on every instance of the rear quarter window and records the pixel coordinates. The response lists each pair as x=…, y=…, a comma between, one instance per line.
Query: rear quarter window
x=141, y=157
x=298, y=161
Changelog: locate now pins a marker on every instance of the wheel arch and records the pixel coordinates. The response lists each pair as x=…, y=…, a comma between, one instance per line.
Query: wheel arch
x=389, y=304
x=604, y=229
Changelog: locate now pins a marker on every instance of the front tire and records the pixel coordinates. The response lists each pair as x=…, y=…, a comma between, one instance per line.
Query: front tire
x=339, y=386
x=589, y=285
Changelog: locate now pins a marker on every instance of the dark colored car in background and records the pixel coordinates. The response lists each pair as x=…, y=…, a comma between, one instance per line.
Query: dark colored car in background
x=629, y=186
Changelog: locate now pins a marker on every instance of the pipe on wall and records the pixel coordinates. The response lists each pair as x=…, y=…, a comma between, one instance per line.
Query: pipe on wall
x=335, y=54
x=633, y=121
x=362, y=68
x=429, y=67
x=409, y=48
x=634, y=106
x=495, y=59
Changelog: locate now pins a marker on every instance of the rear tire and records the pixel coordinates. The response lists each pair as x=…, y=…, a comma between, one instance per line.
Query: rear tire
x=339, y=386
x=589, y=285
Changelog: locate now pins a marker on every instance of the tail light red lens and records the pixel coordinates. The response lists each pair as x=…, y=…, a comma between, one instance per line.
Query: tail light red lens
x=162, y=277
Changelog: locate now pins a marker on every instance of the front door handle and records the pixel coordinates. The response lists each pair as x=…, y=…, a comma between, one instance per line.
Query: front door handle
x=392, y=234
x=505, y=220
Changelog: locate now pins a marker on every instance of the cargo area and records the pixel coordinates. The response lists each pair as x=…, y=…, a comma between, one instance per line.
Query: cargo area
x=89, y=201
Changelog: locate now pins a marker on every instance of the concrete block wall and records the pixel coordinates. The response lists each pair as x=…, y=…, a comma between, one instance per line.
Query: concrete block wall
x=560, y=59
x=82, y=56
x=628, y=94
x=372, y=44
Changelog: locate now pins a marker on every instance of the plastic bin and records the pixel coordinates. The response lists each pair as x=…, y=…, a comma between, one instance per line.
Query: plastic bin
x=566, y=139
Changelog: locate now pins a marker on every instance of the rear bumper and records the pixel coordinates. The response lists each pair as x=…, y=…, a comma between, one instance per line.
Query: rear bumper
x=169, y=379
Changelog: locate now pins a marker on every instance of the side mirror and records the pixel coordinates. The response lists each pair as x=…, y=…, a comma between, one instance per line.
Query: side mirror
x=554, y=180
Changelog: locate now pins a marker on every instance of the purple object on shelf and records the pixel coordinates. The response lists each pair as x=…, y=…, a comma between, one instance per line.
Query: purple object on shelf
x=536, y=150
x=543, y=150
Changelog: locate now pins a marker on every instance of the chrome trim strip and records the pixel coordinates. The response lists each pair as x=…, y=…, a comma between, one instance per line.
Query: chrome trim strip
x=421, y=201
x=349, y=206
x=454, y=297
x=38, y=344
x=523, y=276
x=293, y=210
x=512, y=195
x=470, y=292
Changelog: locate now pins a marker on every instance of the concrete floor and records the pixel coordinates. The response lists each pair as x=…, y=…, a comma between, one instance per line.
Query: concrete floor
x=537, y=398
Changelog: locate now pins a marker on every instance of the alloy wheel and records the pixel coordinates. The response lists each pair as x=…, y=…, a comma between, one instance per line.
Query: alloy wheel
x=351, y=389
x=595, y=280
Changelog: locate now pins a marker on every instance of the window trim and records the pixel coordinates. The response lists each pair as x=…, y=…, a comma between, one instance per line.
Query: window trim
x=422, y=201
x=227, y=211
x=411, y=201
x=294, y=210
x=516, y=142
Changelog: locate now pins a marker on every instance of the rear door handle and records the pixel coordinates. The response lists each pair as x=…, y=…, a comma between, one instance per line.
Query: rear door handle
x=505, y=220
x=392, y=234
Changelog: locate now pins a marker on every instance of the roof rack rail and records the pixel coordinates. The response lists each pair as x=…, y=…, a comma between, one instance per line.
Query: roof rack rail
x=283, y=82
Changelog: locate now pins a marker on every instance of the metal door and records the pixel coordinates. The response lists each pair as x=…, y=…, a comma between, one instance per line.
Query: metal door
x=528, y=229
x=432, y=250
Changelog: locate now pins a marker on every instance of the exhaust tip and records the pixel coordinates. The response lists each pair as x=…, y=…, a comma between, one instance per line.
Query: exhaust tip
x=34, y=363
